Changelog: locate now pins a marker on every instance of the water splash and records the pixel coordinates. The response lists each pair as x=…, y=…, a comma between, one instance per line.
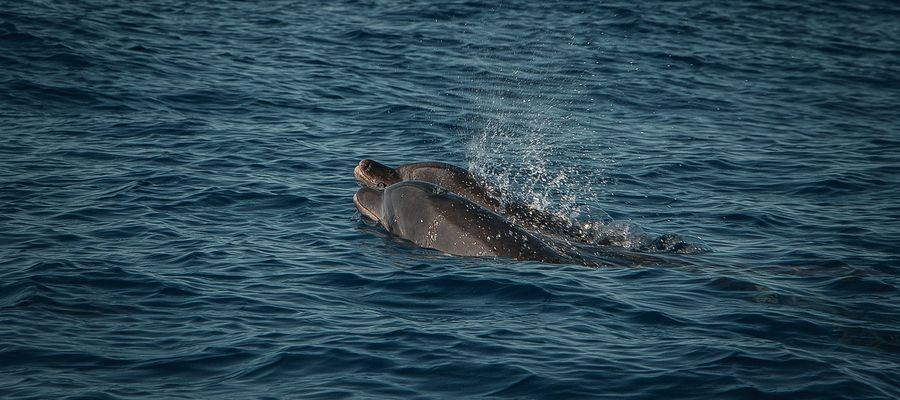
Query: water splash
x=530, y=146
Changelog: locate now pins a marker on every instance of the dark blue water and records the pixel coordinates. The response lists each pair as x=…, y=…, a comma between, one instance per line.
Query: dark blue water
x=176, y=181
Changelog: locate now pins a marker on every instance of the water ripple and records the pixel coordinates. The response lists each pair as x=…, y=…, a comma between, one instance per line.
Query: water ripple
x=176, y=214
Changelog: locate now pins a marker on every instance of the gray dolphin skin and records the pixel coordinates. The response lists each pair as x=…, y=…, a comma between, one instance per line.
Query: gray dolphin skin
x=373, y=174
x=455, y=179
x=430, y=216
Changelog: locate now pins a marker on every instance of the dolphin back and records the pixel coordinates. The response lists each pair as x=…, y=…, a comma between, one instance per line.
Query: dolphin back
x=432, y=217
x=454, y=179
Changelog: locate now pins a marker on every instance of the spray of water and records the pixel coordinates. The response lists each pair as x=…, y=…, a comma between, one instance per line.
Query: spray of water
x=530, y=147
x=534, y=136
x=535, y=150
x=539, y=167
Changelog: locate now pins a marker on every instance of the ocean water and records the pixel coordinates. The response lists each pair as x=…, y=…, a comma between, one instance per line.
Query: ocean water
x=176, y=181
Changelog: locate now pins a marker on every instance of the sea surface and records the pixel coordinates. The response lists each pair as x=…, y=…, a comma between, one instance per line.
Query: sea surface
x=176, y=215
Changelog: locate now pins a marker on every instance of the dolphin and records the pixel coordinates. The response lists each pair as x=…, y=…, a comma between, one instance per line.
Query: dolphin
x=431, y=216
x=373, y=174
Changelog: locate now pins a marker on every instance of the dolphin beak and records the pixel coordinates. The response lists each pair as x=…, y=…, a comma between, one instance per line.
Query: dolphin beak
x=361, y=173
x=364, y=210
x=358, y=174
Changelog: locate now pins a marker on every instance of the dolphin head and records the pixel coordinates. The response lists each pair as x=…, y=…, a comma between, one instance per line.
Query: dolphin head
x=375, y=175
x=368, y=202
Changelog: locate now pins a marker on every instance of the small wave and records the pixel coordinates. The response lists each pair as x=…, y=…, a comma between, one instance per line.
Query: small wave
x=316, y=360
x=11, y=37
x=212, y=362
x=364, y=34
x=437, y=12
x=69, y=60
x=887, y=340
x=861, y=284
x=41, y=93
x=847, y=184
x=36, y=356
x=240, y=199
x=731, y=284
x=142, y=49
x=95, y=214
x=420, y=293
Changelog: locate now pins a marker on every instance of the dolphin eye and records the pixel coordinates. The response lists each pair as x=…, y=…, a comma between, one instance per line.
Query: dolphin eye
x=381, y=185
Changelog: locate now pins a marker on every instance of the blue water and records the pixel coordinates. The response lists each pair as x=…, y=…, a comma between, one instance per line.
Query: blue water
x=176, y=180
